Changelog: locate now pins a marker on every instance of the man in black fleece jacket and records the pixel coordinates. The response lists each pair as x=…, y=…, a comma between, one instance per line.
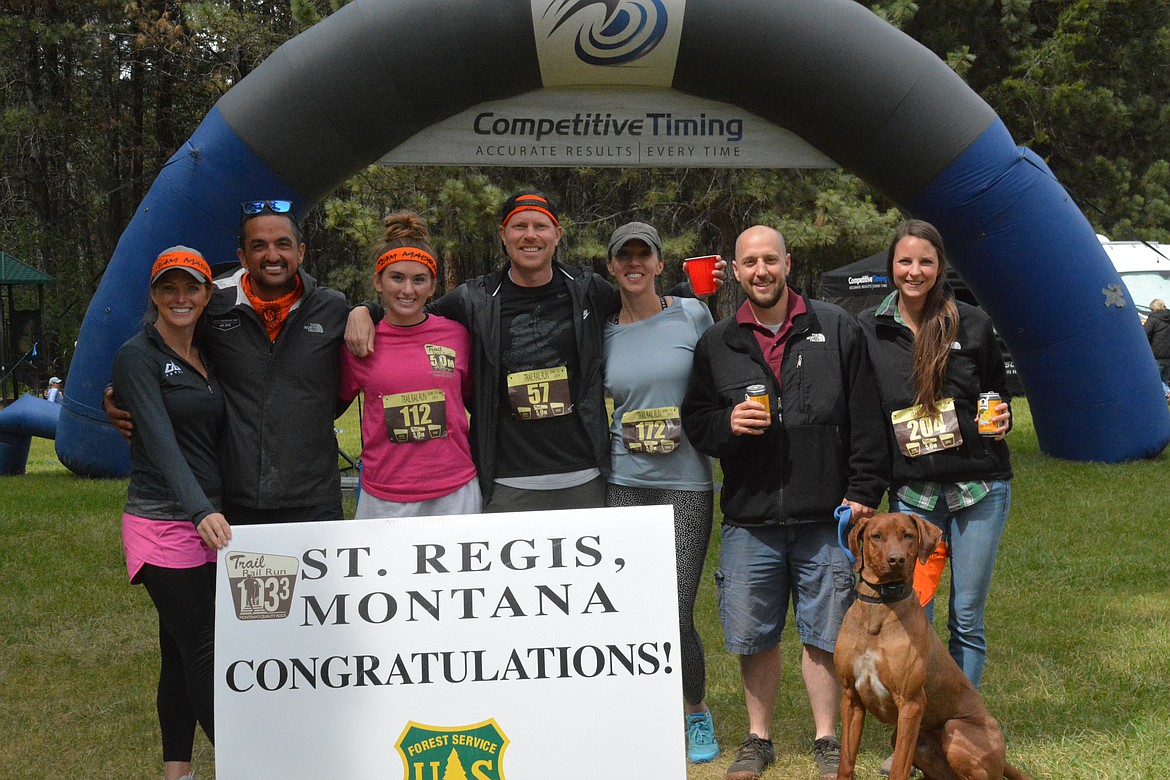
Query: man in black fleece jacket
x=786, y=468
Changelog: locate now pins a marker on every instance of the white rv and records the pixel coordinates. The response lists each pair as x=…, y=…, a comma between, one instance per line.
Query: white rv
x=1145, y=269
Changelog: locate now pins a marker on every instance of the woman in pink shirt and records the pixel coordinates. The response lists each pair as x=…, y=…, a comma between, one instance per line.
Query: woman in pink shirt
x=416, y=459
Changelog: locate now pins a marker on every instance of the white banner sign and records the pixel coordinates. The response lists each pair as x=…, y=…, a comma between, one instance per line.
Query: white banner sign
x=527, y=645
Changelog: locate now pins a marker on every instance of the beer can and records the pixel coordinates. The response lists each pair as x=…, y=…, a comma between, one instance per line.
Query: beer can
x=759, y=394
x=987, y=404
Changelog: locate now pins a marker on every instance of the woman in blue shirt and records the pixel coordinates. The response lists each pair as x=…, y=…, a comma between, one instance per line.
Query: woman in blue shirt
x=649, y=350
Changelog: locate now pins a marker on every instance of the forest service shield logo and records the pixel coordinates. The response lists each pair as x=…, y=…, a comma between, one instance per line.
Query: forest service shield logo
x=473, y=752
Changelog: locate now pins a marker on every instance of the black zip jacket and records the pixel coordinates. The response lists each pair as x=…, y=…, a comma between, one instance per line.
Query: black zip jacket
x=476, y=305
x=178, y=415
x=975, y=366
x=1158, y=332
x=830, y=444
x=278, y=449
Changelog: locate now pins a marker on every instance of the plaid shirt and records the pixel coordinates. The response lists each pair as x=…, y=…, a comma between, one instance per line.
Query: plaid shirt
x=925, y=495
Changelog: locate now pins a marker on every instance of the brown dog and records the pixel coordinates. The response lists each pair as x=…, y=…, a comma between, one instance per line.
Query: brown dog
x=892, y=664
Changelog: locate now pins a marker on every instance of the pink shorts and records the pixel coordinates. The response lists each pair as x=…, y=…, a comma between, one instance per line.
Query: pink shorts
x=168, y=544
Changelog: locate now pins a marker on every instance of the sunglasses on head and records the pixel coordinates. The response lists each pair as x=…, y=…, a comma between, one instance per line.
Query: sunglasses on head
x=253, y=207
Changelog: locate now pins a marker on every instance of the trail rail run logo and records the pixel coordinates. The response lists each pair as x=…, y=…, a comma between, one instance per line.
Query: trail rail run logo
x=629, y=30
x=473, y=752
x=262, y=584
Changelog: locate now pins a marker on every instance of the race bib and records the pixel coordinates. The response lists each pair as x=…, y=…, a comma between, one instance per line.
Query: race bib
x=652, y=431
x=919, y=433
x=415, y=417
x=541, y=393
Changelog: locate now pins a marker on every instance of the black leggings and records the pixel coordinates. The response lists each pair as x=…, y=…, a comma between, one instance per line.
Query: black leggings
x=693, y=512
x=185, y=600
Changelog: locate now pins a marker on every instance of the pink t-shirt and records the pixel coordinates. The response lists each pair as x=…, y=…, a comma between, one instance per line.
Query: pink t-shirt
x=414, y=422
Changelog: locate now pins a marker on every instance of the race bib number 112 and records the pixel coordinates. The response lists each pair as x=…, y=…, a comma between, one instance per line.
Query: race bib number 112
x=415, y=417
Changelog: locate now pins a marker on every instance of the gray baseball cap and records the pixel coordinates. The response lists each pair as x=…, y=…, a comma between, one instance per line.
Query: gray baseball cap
x=632, y=230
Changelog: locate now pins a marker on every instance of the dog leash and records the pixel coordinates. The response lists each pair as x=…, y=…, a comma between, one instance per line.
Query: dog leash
x=844, y=514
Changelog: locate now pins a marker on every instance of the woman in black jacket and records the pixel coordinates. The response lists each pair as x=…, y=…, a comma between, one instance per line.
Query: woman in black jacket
x=171, y=523
x=932, y=357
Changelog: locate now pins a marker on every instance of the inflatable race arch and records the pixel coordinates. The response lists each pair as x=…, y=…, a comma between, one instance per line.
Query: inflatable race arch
x=378, y=72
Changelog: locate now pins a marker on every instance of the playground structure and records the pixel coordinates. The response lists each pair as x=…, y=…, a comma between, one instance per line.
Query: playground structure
x=836, y=76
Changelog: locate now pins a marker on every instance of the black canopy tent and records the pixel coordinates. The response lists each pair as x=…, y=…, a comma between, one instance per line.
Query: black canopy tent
x=864, y=283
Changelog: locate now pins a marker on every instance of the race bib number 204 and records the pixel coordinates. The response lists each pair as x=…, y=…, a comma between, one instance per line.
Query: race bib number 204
x=919, y=433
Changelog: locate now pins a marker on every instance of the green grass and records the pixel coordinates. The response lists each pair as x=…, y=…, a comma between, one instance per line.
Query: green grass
x=1078, y=625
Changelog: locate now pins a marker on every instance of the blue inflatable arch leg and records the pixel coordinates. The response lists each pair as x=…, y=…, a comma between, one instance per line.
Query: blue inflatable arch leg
x=853, y=86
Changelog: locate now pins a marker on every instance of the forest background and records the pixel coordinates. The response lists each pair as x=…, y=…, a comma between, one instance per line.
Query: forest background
x=98, y=94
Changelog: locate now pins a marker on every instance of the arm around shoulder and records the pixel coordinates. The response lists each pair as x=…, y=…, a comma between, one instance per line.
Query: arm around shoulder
x=454, y=306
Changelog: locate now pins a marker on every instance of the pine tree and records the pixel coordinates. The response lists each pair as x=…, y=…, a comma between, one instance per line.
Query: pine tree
x=454, y=770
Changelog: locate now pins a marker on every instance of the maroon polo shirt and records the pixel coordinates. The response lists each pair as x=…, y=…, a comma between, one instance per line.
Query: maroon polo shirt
x=772, y=345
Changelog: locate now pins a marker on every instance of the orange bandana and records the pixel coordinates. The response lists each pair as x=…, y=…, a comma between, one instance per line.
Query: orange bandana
x=402, y=253
x=273, y=313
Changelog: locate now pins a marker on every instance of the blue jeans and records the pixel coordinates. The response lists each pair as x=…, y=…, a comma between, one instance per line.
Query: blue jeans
x=973, y=535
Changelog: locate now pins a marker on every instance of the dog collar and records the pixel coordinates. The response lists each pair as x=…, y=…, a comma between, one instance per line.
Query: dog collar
x=888, y=593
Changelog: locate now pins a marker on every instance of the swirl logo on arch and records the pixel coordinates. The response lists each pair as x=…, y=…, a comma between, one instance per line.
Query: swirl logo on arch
x=628, y=30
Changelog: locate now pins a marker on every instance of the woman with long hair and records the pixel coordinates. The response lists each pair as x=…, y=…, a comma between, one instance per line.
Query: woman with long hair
x=933, y=357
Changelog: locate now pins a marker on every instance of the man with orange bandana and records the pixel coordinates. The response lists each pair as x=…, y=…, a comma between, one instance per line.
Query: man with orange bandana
x=274, y=335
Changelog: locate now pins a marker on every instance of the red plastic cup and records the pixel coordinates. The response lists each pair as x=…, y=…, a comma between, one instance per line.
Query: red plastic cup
x=701, y=271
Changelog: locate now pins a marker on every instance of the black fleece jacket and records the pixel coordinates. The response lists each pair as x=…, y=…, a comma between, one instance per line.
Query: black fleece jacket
x=830, y=444
x=1158, y=332
x=178, y=415
x=975, y=366
x=278, y=450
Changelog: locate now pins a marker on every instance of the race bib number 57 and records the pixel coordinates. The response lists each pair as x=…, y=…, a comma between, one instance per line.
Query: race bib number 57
x=541, y=393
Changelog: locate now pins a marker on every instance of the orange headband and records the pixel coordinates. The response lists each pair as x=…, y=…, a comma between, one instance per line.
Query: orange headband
x=187, y=260
x=531, y=203
x=403, y=253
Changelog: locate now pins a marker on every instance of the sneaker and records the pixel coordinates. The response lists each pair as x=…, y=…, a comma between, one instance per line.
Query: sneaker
x=754, y=756
x=888, y=764
x=827, y=753
x=701, y=744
